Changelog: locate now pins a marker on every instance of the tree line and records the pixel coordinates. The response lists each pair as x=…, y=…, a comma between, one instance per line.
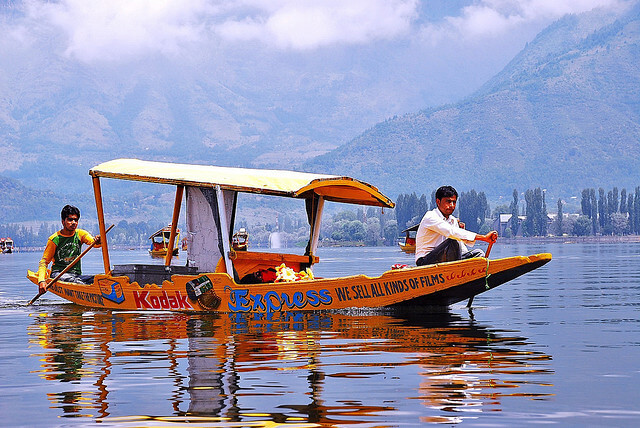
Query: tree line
x=610, y=212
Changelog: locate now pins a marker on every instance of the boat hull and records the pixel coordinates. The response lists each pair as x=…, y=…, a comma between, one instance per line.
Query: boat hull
x=162, y=252
x=408, y=248
x=435, y=285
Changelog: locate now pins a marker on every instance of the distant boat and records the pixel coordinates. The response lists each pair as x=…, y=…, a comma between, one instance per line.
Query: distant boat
x=240, y=240
x=408, y=244
x=160, y=242
x=6, y=245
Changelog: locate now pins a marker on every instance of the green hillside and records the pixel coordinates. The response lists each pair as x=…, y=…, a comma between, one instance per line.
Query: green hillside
x=563, y=115
x=19, y=203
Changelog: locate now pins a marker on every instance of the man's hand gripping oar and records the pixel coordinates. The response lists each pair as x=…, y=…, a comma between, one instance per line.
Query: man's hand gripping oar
x=69, y=266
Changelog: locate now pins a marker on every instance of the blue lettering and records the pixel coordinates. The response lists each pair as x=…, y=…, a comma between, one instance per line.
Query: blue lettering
x=258, y=303
x=298, y=299
x=343, y=294
x=312, y=298
x=325, y=297
x=238, y=301
x=273, y=301
x=285, y=299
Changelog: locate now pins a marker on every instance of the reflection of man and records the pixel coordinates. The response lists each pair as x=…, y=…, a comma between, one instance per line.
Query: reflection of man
x=63, y=247
x=441, y=237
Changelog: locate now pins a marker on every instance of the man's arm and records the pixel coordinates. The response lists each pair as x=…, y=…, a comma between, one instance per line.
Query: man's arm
x=87, y=238
x=47, y=257
x=490, y=237
x=449, y=231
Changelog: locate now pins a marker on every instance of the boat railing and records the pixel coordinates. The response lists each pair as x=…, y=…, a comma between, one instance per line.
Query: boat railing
x=151, y=274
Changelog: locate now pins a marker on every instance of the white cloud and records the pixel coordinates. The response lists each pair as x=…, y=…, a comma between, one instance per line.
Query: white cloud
x=98, y=30
x=114, y=30
x=308, y=24
x=117, y=29
x=486, y=18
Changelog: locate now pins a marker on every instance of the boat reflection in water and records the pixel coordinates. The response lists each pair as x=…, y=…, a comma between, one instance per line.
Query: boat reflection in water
x=307, y=369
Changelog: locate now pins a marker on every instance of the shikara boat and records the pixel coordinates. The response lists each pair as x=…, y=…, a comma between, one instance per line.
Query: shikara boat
x=408, y=244
x=6, y=245
x=217, y=278
x=240, y=240
x=160, y=242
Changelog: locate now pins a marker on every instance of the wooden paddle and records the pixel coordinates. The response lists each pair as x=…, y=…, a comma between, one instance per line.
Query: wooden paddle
x=65, y=270
x=486, y=254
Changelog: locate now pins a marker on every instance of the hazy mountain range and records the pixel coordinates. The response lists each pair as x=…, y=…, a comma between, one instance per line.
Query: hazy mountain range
x=562, y=115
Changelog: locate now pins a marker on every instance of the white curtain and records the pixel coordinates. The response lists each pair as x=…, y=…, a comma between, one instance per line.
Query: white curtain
x=203, y=246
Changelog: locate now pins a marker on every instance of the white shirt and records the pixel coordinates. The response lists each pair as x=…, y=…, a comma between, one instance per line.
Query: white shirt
x=435, y=229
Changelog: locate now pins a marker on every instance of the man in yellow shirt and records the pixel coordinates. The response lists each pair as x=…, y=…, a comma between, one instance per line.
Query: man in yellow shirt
x=63, y=247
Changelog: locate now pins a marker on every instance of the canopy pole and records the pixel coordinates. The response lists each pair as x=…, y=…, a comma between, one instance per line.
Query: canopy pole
x=315, y=233
x=174, y=224
x=224, y=230
x=97, y=192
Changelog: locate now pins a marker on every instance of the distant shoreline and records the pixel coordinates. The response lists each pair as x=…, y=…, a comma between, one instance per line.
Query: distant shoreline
x=571, y=239
x=505, y=241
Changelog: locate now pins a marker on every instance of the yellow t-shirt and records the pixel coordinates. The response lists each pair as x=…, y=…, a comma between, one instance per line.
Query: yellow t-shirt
x=62, y=250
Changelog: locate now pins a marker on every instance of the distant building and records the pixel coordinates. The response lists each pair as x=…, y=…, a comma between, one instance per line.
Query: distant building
x=501, y=224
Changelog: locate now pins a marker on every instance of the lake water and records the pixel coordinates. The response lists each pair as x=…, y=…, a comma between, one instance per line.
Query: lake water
x=560, y=345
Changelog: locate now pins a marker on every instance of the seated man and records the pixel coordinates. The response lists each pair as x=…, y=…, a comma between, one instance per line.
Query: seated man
x=441, y=237
x=63, y=247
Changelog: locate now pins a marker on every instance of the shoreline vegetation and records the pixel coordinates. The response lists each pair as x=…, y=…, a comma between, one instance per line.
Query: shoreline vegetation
x=611, y=216
x=566, y=239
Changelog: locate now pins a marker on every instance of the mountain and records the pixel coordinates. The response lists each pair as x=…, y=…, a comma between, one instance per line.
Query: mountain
x=19, y=203
x=563, y=115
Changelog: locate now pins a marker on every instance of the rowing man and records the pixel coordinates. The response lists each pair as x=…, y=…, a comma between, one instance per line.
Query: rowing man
x=441, y=237
x=63, y=247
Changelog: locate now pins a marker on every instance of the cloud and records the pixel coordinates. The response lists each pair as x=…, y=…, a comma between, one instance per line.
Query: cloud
x=309, y=24
x=487, y=18
x=97, y=30
x=120, y=30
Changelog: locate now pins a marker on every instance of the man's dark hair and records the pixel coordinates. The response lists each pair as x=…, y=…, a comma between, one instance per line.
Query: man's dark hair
x=446, y=192
x=69, y=210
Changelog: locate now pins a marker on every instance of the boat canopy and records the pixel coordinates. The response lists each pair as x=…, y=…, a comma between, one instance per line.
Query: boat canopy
x=211, y=198
x=412, y=228
x=291, y=184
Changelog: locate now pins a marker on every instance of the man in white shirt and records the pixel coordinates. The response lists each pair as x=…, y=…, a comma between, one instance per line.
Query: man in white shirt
x=441, y=237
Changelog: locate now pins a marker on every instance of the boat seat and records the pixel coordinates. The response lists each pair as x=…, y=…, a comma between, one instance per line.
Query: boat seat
x=246, y=262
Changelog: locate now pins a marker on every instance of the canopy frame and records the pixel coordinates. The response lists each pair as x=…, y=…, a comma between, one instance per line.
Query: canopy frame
x=314, y=188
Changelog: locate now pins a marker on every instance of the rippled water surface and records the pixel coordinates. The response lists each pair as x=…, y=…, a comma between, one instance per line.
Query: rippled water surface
x=560, y=345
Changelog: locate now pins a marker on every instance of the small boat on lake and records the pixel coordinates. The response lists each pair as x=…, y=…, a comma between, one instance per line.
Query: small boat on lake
x=160, y=242
x=6, y=245
x=240, y=240
x=408, y=244
x=217, y=278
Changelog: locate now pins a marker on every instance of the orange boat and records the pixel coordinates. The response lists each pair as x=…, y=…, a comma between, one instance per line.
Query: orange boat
x=220, y=279
x=408, y=245
x=160, y=242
